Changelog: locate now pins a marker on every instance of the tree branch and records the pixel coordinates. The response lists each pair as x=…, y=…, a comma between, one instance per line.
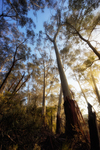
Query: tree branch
x=23, y=83
x=13, y=63
x=18, y=83
x=49, y=37
x=59, y=27
x=36, y=4
x=82, y=38
x=4, y=15
x=13, y=8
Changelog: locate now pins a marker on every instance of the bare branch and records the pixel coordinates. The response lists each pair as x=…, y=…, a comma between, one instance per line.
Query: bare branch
x=14, y=8
x=18, y=83
x=23, y=83
x=13, y=63
x=59, y=27
x=21, y=43
x=12, y=85
x=5, y=15
x=49, y=37
x=10, y=138
x=36, y=4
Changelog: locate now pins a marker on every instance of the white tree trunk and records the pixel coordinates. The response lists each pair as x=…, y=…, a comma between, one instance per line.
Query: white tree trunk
x=43, y=105
x=64, y=83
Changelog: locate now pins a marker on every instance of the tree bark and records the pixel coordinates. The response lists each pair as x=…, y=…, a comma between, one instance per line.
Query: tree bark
x=96, y=91
x=69, y=105
x=58, y=123
x=81, y=89
x=12, y=85
x=18, y=84
x=23, y=83
x=43, y=104
x=51, y=120
x=66, y=92
x=94, y=138
x=64, y=83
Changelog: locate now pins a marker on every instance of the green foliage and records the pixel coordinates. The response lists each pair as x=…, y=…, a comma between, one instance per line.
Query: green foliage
x=18, y=126
x=65, y=50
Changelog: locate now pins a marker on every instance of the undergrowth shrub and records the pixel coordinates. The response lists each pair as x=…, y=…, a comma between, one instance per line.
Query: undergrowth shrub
x=19, y=128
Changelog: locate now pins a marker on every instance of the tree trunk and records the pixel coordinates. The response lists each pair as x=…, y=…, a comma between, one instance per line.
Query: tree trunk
x=51, y=120
x=7, y=75
x=58, y=123
x=96, y=91
x=43, y=104
x=81, y=89
x=12, y=85
x=18, y=84
x=23, y=83
x=69, y=105
x=64, y=84
x=94, y=138
x=66, y=93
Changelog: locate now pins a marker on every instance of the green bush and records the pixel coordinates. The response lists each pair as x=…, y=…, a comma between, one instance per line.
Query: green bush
x=19, y=125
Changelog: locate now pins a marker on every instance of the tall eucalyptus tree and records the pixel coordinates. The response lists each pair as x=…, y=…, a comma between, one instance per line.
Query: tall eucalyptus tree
x=64, y=83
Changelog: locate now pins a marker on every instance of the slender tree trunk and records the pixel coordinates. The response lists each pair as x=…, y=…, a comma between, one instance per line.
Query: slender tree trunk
x=81, y=88
x=29, y=99
x=58, y=123
x=51, y=120
x=95, y=88
x=12, y=85
x=13, y=63
x=64, y=83
x=43, y=104
x=23, y=83
x=18, y=84
x=7, y=75
x=66, y=93
x=94, y=138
